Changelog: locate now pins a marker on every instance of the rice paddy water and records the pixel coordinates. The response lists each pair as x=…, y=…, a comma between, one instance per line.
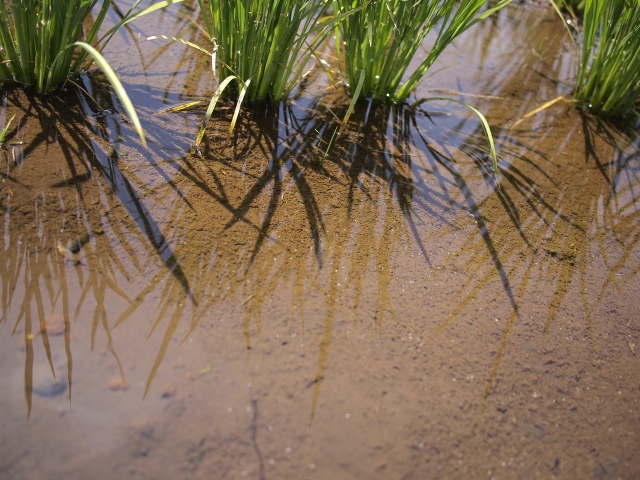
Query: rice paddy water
x=289, y=302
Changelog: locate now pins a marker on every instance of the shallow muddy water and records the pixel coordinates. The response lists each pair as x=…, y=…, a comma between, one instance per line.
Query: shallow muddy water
x=255, y=310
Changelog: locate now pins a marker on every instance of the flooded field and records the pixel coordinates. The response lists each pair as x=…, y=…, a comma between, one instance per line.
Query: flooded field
x=258, y=310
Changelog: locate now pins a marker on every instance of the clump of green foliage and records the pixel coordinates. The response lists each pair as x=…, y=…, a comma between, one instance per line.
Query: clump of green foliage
x=608, y=81
x=260, y=47
x=382, y=39
x=609, y=72
x=265, y=43
x=41, y=47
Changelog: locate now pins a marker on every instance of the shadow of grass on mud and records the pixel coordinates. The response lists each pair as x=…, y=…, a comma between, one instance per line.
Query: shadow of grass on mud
x=569, y=182
x=271, y=194
x=272, y=216
x=271, y=210
x=546, y=226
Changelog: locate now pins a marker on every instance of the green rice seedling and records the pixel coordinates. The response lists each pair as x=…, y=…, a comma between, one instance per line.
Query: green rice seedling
x=608, y=47
x=41, y=47
x=260, y=47
x=382, y=39
x=3, y=132
x=609, y=70
x=483, y=123
x=267, y=42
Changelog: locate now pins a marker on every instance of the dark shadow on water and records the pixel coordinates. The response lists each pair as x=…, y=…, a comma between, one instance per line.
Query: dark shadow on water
x=567, y=201
x=277, y=208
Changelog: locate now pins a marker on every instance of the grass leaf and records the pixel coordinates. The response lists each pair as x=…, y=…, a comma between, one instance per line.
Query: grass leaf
x=212, y=106
x=483, y=122
x=356, y=94
x=3, y=133
x=117, y=87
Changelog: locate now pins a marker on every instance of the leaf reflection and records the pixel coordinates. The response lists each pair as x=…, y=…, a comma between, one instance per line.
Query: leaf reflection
x=549, y=226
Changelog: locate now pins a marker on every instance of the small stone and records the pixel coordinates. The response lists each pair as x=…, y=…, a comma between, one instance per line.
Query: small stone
x=168, y=390
x=50, y=388
x=118, y=383
x=54, y=325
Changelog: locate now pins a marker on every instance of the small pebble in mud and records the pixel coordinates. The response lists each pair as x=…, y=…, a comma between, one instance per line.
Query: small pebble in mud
x=118, y=383
x=168, y=390
x=54, y=325
x=50, y=388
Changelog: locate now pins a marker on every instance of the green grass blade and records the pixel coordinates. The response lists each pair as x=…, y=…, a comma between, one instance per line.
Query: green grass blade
x=117, y=86
x=483, y=122
x=608, y=79
x=384, y=38
x=237, y=110
x=212, y=106
x=180, y=40
x=566, y=25
x=3, y=133
x=356, y=94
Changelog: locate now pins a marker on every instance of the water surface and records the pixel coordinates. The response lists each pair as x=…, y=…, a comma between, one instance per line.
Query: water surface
x=258, y=310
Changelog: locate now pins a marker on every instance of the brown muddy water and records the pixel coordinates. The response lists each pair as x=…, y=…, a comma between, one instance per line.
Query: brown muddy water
x=259, y=312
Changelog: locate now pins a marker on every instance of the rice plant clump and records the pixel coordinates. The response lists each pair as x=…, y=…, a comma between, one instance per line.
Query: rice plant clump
x=34, y=37
x=265, y=42
x=40, y=45
x=37, y=38
x=382, y=39
x=608, y=81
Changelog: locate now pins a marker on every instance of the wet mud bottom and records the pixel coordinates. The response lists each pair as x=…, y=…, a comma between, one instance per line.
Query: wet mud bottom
x=260, y=310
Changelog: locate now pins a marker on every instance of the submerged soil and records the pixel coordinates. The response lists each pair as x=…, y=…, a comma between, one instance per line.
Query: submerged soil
x=258, y=309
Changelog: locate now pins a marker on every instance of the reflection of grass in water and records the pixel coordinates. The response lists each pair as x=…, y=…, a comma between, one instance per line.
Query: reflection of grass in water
x=42, y=264
x=80, y=239
x=37, y=269
x=550, y=238
x=255, y=216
